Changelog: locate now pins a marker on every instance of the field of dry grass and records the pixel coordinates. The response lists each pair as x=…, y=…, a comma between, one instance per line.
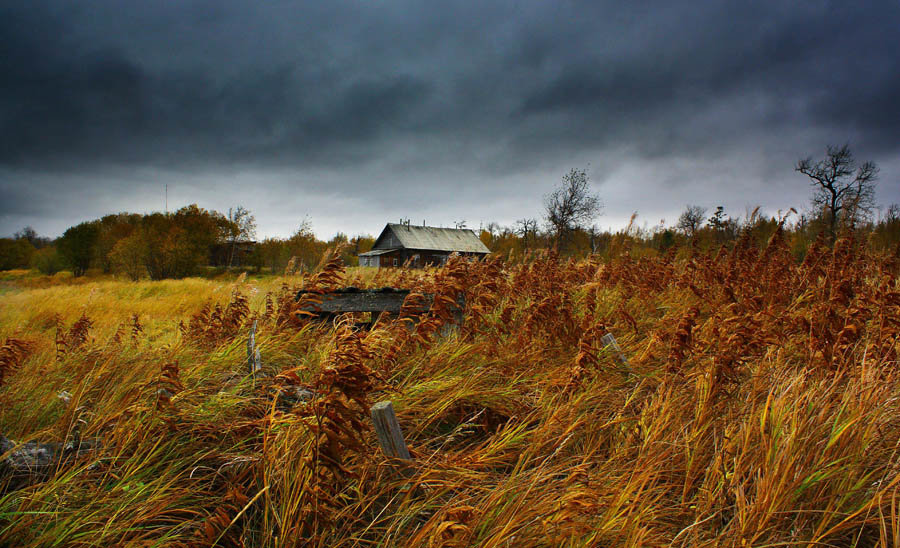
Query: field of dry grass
x=759, y=407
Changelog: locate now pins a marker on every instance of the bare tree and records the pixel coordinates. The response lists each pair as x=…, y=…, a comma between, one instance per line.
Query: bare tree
x=241, y=228
x=31, y=235
x=492, y=228
x=571, y=206
x=691, y=219
x=524, y=227
x=892, y=215
x=842, y=190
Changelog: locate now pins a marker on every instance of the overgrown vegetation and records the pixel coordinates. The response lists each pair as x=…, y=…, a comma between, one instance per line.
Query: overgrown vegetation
x=758, y=406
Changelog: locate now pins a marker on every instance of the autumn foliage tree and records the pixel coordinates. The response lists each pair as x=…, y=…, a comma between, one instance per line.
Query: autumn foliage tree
x=128, y=256
x=112, y=229
x=241, y=227
x=177, y=245
x=15, y=253
x=76, y=246
x=161, y=245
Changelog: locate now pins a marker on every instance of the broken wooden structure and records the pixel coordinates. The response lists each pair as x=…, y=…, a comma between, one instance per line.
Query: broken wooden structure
x=384, y=301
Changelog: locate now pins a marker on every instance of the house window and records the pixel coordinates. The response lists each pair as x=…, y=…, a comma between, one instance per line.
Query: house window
x=395, y=261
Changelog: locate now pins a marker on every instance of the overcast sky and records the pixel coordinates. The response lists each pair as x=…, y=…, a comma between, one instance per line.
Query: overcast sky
x=353, y=114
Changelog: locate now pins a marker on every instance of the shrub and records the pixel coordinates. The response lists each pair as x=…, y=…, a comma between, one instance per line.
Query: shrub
x=47, y=261
x=15, y=253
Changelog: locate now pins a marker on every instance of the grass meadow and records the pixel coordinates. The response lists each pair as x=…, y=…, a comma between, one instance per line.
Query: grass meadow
x=759, y=406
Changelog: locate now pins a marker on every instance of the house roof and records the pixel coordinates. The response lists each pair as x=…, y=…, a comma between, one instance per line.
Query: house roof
x=375, y=252
x=430, y=238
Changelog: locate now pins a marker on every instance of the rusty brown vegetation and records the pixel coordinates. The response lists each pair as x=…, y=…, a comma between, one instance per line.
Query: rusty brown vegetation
x=758, y=406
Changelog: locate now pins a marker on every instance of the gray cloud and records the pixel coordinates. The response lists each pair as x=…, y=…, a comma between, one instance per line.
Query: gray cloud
x=404, y=105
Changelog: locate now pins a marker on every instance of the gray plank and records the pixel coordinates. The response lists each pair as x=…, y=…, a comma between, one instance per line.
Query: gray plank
x=336, y=303
x=389, y=301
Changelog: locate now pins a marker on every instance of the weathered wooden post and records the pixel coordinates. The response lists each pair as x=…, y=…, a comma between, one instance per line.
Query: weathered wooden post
x=610, y=342
x=389, y=435
x=253, y=358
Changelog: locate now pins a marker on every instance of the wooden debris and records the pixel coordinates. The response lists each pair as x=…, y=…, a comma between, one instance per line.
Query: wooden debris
x=286, y=397
x=32, y=462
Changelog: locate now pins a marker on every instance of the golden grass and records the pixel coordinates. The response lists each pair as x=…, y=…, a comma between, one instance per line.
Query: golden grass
x=759, y=407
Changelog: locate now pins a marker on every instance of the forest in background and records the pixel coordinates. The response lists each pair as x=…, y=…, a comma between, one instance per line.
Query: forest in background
x=192, y=239
x=179, y=244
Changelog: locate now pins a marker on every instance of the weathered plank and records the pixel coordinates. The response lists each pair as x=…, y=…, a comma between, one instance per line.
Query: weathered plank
x=364, y=301
x=370, y=301
x=389, y=435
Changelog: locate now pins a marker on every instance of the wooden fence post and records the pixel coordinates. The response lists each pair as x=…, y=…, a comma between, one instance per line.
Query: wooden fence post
x=253, y=358
x=389, y=435
x=610, y=342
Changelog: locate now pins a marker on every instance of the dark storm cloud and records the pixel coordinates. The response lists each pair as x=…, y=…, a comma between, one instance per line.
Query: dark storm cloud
x=824, y=67
x=475, y=92
x=64, y=106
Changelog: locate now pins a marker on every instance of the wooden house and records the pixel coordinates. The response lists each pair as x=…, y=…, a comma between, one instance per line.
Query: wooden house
x=421, y=245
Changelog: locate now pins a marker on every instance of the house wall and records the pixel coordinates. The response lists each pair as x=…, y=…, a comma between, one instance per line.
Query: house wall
x=392, y=259
x=417, y=257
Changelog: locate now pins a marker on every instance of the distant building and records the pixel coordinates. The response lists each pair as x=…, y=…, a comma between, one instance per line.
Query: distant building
x=421, y=245
x=231, y=254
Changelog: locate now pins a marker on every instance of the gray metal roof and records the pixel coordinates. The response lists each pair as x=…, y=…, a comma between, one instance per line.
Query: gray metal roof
x=429, y=238
x=375, y=252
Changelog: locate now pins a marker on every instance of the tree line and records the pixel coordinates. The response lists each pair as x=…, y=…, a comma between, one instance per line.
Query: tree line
x=842, y=198
x=167, y=245
x=184, y=243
